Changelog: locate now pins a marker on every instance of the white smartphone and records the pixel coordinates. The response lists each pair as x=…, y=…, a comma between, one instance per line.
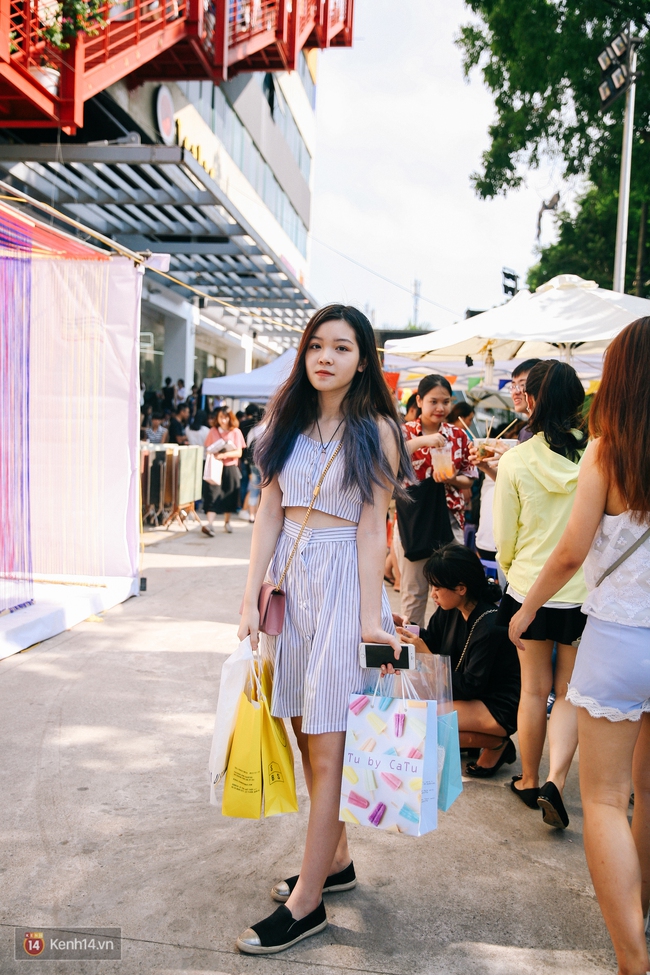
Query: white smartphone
x=375, y=654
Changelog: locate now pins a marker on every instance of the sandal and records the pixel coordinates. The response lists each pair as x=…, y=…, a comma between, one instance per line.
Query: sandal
x=280, y=931
x=507, y=757
x=527, y=796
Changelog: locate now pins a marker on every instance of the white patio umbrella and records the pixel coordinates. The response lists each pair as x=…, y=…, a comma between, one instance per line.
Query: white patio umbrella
x=564, y=315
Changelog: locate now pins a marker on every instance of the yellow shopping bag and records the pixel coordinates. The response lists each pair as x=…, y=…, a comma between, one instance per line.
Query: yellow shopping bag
x=277, y=757
x=242, y=794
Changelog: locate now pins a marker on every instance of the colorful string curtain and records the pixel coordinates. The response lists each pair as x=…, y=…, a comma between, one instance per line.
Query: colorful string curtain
x=53, y=292
x=15, y=551
x=68, y=419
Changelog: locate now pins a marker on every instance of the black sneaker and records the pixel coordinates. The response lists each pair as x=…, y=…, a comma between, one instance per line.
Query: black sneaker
x=280, y=931
x=553, y=811
x=345, y=879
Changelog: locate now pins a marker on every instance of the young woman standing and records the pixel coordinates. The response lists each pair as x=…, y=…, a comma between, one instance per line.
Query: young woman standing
x=223, y=499
x=434, y=399
x=336, y=395
x=533, y=498
x=610, y=685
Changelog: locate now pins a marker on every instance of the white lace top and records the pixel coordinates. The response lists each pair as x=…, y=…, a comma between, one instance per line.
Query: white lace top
x=624, y=596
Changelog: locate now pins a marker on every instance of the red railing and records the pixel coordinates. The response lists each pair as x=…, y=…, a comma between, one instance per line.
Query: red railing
x=42, y=85
x=128, y=24
x=28, y=23
x=250, y=18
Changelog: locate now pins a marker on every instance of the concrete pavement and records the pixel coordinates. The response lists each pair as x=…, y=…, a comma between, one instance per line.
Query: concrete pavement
x=105, y=819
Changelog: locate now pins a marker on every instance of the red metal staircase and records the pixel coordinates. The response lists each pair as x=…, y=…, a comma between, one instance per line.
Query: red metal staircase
x=43, y=86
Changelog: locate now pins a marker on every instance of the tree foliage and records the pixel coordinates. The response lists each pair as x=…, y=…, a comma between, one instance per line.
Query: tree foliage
x=539, y=60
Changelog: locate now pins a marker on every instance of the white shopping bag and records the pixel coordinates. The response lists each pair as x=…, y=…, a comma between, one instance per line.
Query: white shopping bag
x=234, y=675
x=213, y=470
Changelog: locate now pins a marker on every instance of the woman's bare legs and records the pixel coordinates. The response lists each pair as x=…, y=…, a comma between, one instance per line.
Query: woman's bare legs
x=324, y=829
x=563, y=722
x=536, y=683
x=342, y=856
x=641, y=815
x=478, y=729
x=606, y=758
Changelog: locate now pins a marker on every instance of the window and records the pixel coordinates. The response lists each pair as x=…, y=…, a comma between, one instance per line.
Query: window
x=283, y=118
x=226, y=125
x=307, y=80
x=208, y=366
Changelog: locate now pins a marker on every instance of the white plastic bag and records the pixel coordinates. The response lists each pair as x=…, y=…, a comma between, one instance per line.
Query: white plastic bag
x=213, y=470
x=234, y=675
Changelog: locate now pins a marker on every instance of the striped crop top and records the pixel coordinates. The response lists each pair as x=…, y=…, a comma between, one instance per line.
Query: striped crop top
x=300, y=475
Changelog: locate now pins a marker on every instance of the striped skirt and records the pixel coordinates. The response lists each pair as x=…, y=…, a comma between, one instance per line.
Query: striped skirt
x=317, y=653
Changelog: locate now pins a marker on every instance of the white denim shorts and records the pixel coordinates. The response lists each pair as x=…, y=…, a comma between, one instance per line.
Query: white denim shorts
x=611, y=677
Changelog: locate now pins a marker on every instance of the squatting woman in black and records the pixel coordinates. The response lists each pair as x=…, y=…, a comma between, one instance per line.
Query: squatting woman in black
x=485, y=668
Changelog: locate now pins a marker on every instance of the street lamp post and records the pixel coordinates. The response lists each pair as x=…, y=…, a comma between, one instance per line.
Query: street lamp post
x=618, y=65
x=624, y=185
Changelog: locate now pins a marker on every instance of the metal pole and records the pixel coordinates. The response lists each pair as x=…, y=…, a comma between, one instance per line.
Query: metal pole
x=624, y=186
x=416, y=302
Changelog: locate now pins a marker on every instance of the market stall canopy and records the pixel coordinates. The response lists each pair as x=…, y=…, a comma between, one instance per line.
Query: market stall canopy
x=564, y=314
x=257, y=386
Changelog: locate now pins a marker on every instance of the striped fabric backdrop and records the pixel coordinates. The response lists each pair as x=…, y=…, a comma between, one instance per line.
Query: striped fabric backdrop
x=15, y=547
x=53, y=301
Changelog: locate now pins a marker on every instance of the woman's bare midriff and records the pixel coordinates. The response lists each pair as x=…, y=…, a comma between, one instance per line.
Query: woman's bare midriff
x=317, y=519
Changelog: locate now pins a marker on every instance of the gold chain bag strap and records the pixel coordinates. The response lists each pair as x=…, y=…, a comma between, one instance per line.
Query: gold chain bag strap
x=272, y=599
x=471, y=633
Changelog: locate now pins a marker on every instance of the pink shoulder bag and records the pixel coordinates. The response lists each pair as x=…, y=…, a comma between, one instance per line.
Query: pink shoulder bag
x=272, y=599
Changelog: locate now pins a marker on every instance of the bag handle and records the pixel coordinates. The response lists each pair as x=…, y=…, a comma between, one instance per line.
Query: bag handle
x=619, y=561
x=408, y=691
x=309, y=511
x=475, y=624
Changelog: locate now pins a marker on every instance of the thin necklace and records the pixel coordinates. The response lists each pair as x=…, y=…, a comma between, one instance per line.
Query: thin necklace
x=324, y=446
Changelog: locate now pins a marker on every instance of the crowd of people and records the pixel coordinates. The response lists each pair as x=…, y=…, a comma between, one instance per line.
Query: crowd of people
x=171, y=416
x=495, y=532
x=527, y=629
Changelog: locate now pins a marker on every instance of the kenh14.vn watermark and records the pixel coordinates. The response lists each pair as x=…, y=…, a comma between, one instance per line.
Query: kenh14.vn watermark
x=67, y=944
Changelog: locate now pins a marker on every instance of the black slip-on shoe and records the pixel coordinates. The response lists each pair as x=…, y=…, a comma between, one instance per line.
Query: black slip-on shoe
x=527, y=796
x=507, y=757
x=345, y=879
x=553, y=811
x=280, y=931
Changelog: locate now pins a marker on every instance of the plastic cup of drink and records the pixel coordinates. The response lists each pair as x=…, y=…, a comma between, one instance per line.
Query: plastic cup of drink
x=442, y=462
x=509, y=444
x=485, y=447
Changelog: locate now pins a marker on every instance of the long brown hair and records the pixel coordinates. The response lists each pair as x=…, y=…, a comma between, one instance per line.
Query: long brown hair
x=295, y=407
x=621, y=418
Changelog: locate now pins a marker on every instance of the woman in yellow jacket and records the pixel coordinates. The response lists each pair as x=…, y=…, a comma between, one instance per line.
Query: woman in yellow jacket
x=535, y=488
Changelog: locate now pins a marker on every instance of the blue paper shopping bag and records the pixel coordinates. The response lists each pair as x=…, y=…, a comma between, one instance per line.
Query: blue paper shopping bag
x=432, y=678
x=450, y=783
x=390, y=771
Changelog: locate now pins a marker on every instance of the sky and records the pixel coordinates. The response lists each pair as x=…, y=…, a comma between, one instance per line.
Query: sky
x=399, y=133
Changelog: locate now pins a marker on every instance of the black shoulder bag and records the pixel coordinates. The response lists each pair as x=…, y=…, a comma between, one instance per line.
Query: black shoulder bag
x=423, y=521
